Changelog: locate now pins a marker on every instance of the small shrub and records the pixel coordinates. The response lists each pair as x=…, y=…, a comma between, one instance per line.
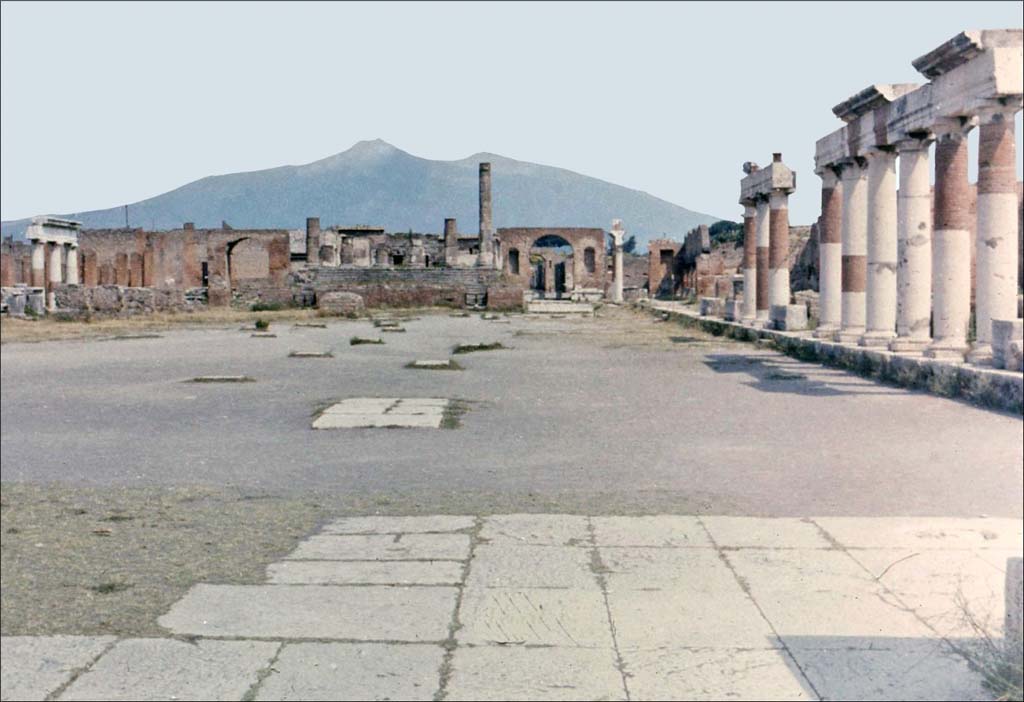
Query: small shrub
x=471, y=348
x=359, y=340
x=262, y=324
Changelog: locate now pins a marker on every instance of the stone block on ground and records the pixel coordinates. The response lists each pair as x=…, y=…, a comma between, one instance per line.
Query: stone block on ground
x=1004, y=333
x=789, y=317
x=343, y=303
x=711, y=306
x=733, y=310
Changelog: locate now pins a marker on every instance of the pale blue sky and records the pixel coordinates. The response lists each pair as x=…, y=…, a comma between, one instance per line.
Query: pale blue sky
x=105, y=104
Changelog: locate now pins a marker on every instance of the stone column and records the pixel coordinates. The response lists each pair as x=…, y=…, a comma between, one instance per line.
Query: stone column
x=914, y=248
x=486, y=227
x=763, y=242
x=855, y=233
x=618, y=233
x=749, y=312
x=951, y=262
x=880, y=300
x=995, y=295
x=313, y=241
x=38, y=263
x=72, y=264
x=451, y=242
x=830, y=255
x=778, y=249
x=55, y=276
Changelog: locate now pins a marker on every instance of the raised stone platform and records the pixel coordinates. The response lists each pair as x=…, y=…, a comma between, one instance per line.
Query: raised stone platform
x=990, y=387
x=559, y=307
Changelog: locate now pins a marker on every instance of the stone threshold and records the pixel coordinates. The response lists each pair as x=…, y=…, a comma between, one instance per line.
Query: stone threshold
x=987, y=387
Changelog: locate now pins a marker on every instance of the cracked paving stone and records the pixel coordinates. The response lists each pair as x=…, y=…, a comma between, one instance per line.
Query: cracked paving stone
x=575, y=618
x=365, y=573
x=33, y=667
x=660, y=530
x=396, y=525
x=528, y=566
x=538, y=529
x=755, y=532
x=342, y=547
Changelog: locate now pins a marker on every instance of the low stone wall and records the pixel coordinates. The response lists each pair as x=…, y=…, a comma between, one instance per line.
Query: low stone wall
x=410, y=287
x=988, y=387
x=118, y=300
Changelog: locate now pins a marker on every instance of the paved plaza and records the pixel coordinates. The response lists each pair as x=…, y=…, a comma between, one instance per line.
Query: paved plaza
x=528, y=606
x=600, y=508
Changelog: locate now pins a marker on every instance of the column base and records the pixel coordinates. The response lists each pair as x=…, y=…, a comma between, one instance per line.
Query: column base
x=903, y=344
x=980, y=354
x=849, y=336
x=876, y=339
x=947, y=351
x=826, y=331
x=762, y=316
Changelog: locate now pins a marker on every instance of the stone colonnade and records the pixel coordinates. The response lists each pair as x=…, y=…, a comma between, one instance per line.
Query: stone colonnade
x=764, y=194
x=57, y=240
x=894, y=272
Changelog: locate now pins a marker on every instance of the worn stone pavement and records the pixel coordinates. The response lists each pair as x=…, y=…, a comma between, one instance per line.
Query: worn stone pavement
x=568, y=607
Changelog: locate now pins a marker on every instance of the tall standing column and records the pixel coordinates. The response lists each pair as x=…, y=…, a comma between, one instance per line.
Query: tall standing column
x=72, y=264
x=486, y=226
x=38, y=263
x=313, y=241
x=749, y=311
x=995, y=295
x=778, y=248
x=763, y=242
x=55, y=276
x=914, y=248
x=855, y=233
x=951, y=267
x=830, y=255
x=880, y=320
x=618, y=234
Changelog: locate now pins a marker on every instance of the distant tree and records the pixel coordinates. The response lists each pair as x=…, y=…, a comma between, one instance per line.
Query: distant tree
x=726, y=232
x=630, y=245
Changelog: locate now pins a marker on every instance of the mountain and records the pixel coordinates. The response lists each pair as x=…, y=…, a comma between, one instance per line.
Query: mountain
x=376, y=183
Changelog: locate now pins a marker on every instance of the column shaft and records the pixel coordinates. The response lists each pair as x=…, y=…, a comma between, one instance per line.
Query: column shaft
x=880, y=320
x=763, y=241
x=830, y=255
x=951, y=262
x=749, y=311
x=617, y=285
x=72, y=265
x=914, y=249
x=778, y=249
x=38, y=264
x=854, y=276
x=996, y=283
x=55, y=275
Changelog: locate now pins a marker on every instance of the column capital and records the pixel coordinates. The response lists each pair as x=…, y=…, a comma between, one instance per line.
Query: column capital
x=829, y=176
x=918, y=143
x=749, y=210
x=1001, y=111
x=853, y=168
x=953, y=127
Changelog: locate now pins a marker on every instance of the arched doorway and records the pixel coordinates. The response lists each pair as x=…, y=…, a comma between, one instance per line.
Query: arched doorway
x=551, y=263
x=246, y=259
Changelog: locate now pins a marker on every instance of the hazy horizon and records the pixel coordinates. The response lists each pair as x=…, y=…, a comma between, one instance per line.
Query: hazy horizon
x=126, y=102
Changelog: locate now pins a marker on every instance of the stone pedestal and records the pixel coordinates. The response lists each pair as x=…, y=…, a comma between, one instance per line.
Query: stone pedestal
x=830, y=256
x=733, y=310
x=951, y=275
x=1004, y=333
x=914, y=249
x=789, y=317
x=711, y=306
x=995, y=294
x=880, y=318
x=854, y=275
x=763, y=242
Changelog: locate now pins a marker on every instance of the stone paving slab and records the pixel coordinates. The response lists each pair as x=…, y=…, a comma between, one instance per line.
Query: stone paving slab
x=935, y=583
x=526, y=566
x=399, y=547
x=667, y=618
x=821, y=593
x=375, y=421
x=665, y=531
x=341, y=671
x=673, y=673
x=399, y=525
x=165, y=669
x=755, y=532
x=924, y=532
x=540, y=529
x=693, y=570
x=34, y=667
x=885, y=669
x=520, y=673
x=365, y=573
x=534, y=617
x=370, y=613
